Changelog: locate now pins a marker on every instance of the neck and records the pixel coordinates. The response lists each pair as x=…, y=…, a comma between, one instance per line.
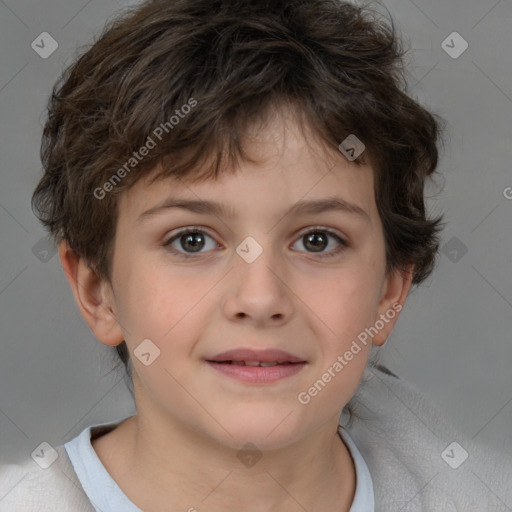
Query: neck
x=179, y=470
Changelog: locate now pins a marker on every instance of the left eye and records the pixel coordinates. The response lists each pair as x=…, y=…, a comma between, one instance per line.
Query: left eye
x=192, y=240
x=318, y=240
x=189, y=239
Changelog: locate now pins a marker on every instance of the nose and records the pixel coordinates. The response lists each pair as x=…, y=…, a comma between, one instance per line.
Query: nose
x=259, y=292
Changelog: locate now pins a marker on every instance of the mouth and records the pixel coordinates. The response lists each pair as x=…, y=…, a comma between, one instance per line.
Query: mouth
x=257, y=363
x=257, y=366
x=256, y=357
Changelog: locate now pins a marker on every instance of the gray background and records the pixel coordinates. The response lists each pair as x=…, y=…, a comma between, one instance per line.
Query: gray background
x=453, y=339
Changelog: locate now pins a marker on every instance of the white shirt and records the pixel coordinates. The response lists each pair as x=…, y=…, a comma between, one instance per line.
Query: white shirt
x=106, y=496
x=404, y=439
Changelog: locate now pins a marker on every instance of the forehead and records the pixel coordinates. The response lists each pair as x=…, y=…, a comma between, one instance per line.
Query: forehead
x=292, y=166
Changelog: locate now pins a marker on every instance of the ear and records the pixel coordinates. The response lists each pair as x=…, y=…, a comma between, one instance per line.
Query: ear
x=395, y=290
x=94, y=297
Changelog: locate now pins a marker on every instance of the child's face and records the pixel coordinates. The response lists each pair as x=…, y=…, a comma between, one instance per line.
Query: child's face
x=289, y=298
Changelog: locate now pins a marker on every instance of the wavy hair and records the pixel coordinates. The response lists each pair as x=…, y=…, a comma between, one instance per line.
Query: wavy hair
x=339, y=64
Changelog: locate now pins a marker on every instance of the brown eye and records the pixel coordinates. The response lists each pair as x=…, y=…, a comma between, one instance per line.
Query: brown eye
x=189, y=241
x=192, y=241
x=317, y=240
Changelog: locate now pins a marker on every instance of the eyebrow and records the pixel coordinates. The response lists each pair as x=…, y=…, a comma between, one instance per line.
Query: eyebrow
x=221, y=210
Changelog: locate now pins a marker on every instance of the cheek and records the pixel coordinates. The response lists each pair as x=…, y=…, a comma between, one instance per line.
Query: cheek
x=158, y=304
x=172, y=309
x=169, y=312
x=346, y=302
x=344, y=307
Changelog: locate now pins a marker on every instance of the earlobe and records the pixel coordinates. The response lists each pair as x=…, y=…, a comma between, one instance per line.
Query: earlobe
x=395, y=292
x=92, y=296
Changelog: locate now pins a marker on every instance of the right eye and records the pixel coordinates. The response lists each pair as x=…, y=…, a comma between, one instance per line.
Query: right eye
x=189, y=239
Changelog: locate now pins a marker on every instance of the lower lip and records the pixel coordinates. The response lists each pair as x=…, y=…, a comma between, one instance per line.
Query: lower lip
x=258, y=374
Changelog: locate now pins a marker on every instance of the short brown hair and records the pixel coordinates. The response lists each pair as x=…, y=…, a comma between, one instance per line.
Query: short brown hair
x=337, y=63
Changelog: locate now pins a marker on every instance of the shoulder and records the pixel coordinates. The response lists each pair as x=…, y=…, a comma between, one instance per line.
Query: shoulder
x=29, y=488
x=417, y=457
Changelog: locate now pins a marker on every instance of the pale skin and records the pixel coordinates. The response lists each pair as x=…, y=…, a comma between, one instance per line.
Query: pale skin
x=179, y=451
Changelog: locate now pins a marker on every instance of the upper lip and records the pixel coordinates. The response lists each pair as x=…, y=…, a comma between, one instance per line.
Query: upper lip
x=268, y=355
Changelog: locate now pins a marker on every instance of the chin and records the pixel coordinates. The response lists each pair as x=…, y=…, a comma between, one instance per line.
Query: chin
x=263, y=434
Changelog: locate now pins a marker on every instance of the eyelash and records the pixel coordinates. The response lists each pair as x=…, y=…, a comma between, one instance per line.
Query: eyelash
x=196, y=229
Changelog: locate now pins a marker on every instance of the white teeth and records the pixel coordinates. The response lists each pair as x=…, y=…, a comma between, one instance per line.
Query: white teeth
x=253, y=363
